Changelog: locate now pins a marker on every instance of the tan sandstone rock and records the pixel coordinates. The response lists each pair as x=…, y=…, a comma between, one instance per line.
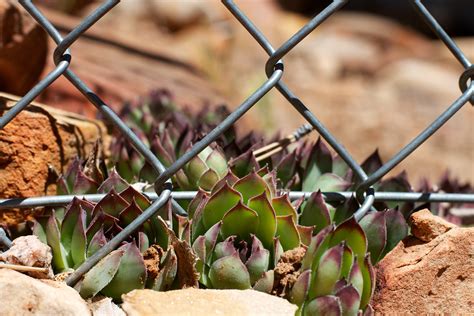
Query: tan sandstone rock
x=205, y=302
x=427, y=227
x=38, y=140
x=435, y=277
x=23, y=48
x=22, y=295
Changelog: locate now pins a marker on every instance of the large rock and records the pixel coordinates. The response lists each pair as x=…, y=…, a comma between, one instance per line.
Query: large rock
x=22, y=295
x=38, y=140
x=23, y=48
x=434, y=277
x=205, y=302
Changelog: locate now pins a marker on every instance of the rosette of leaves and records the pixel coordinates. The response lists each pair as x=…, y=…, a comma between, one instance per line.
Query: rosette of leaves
x=384, y=229
x=149, y=258
x=240, y=229
x=336, y=275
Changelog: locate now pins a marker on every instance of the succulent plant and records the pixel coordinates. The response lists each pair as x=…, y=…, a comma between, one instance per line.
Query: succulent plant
x=240, y=229
x=149, y=258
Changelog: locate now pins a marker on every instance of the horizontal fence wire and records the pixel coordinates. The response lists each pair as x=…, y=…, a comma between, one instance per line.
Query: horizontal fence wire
x=274, y=69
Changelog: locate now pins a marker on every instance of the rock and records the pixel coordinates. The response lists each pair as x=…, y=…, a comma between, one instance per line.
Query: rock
x=31, y=252
x=426, y=227
x=23, y=295
x=421, y=278
x=204, y=302
x=23, y=48
x=40, y=139
x=105, y=307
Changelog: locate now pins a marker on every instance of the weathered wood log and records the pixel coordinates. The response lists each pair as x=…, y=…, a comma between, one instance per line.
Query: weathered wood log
x=38, y=140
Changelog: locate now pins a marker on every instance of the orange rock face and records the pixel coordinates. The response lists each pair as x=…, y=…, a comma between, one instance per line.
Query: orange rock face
x=435, y=277
x=37, y=140
x=23, y=48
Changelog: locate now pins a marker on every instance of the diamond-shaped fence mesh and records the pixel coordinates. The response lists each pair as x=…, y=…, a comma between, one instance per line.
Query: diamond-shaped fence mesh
x=274, y=69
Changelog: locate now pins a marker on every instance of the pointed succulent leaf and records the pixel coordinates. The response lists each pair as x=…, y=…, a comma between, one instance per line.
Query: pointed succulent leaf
x=195, y=169
x=250, y=186
x=225, y=248
x=98, y=241
x=283, y=207
x=39, y=229
x=319, y=163
x=354, y=236
x=315, y=212
x=219, y=204
x=114, y=181
x=328, y=272
x=340, y=284
x=162, y=233
x=131, y=273
x=356, y=279
x=368, y=275
x=229, y=273
x=267, y=219
x=286, y=168
x=84, y=185
x=287, y=232
x=143, y=242
x=305, y=232
x=325, y=305
x=350, y=300
x=79, y=240
x=340, y=167
x=375, y=229
x=130, y=213
x=230, y=178
x=319, y=244
x=165, y=156
x=240, y=221
x=96, y=223
x=208, y=179
x=300, y=288
x=53, y=237
x=344, y=211
x=195, y=202
x=112, y=203
x=258, y=261
x=265, y=283
x=372, y=163
x=277, y=250
x=167, y=274
x=397, y=229
x=243, y=164
x=130, y=194
x=101, y=274
x=199, y=247
x=270, y=179
x=330, y=182
x=217, y=162
x=211, y=238
x=73, y=211
x=347, y=260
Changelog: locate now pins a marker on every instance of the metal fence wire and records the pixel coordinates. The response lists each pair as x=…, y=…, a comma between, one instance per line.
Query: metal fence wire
x=274, y=69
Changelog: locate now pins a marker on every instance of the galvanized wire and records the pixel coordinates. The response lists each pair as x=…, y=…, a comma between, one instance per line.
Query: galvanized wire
x=274, y=69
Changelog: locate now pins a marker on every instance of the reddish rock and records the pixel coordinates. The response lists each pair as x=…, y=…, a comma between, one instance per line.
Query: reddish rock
x=436, y=277
x=23, y=48
x=427, y=227
x=39, y=138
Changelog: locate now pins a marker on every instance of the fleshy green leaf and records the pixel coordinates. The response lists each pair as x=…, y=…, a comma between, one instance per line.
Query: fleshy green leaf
x=53, y=237
x=230, y=178
x=97, y=242
x=225, y=248
x=356, y=279
x=101, y=274
x=79, y=240
x=327, y=273
x=315, y=212
x=219, y=204
x=195, y=169
x=73, y=211
x=350, y=300
x=300, y=288
x=283, y=207
x=240, y=221
x=265, y=283
x=316, y=248
x=368, y=275
x=305, y=232
x=267, y=219
x=217, y=162
x=325, y=305
x=131, y=273
x=112, y=204
x=330, y=182
x=114, y=181
x=258, y=261
x=208, y=179
x=243, y=164
x=320, y=162
x=250, y=186
x=354, y=236
x=375, y=229
x=397, y=229
x=347, y=260
x=229, y=273
x=287, y=232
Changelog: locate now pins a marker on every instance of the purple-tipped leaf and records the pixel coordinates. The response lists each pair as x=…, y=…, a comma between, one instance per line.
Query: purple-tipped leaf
x=375, y=229
x=265, y=283
x=315, y=212
x=306, y=233
x=112, y=204
x=368, y=274
x=300, y=288
x=283, y=207
x=79, y=240
x=208, y=179
x=98, y=241
x=350, y=300
x=219, y=204
x=354, y=236
x=327, y=273
x=131, y=273
x=397, y=229
x=230, y=178
x=167, y=274
x=240, y=221
x=287, y=232
x=258, y=261
x=250, y=186
x=60, y=261
x=243, y=164
x=229, y=273
x=318, y=245
x=114, y=181
x=320, y=162
x=325, y=305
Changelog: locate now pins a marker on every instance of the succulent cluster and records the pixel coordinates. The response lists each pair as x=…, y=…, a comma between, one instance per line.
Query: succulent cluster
x=149, y=258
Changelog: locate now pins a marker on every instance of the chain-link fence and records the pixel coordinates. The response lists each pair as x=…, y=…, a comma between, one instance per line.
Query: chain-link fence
x=274, y=69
